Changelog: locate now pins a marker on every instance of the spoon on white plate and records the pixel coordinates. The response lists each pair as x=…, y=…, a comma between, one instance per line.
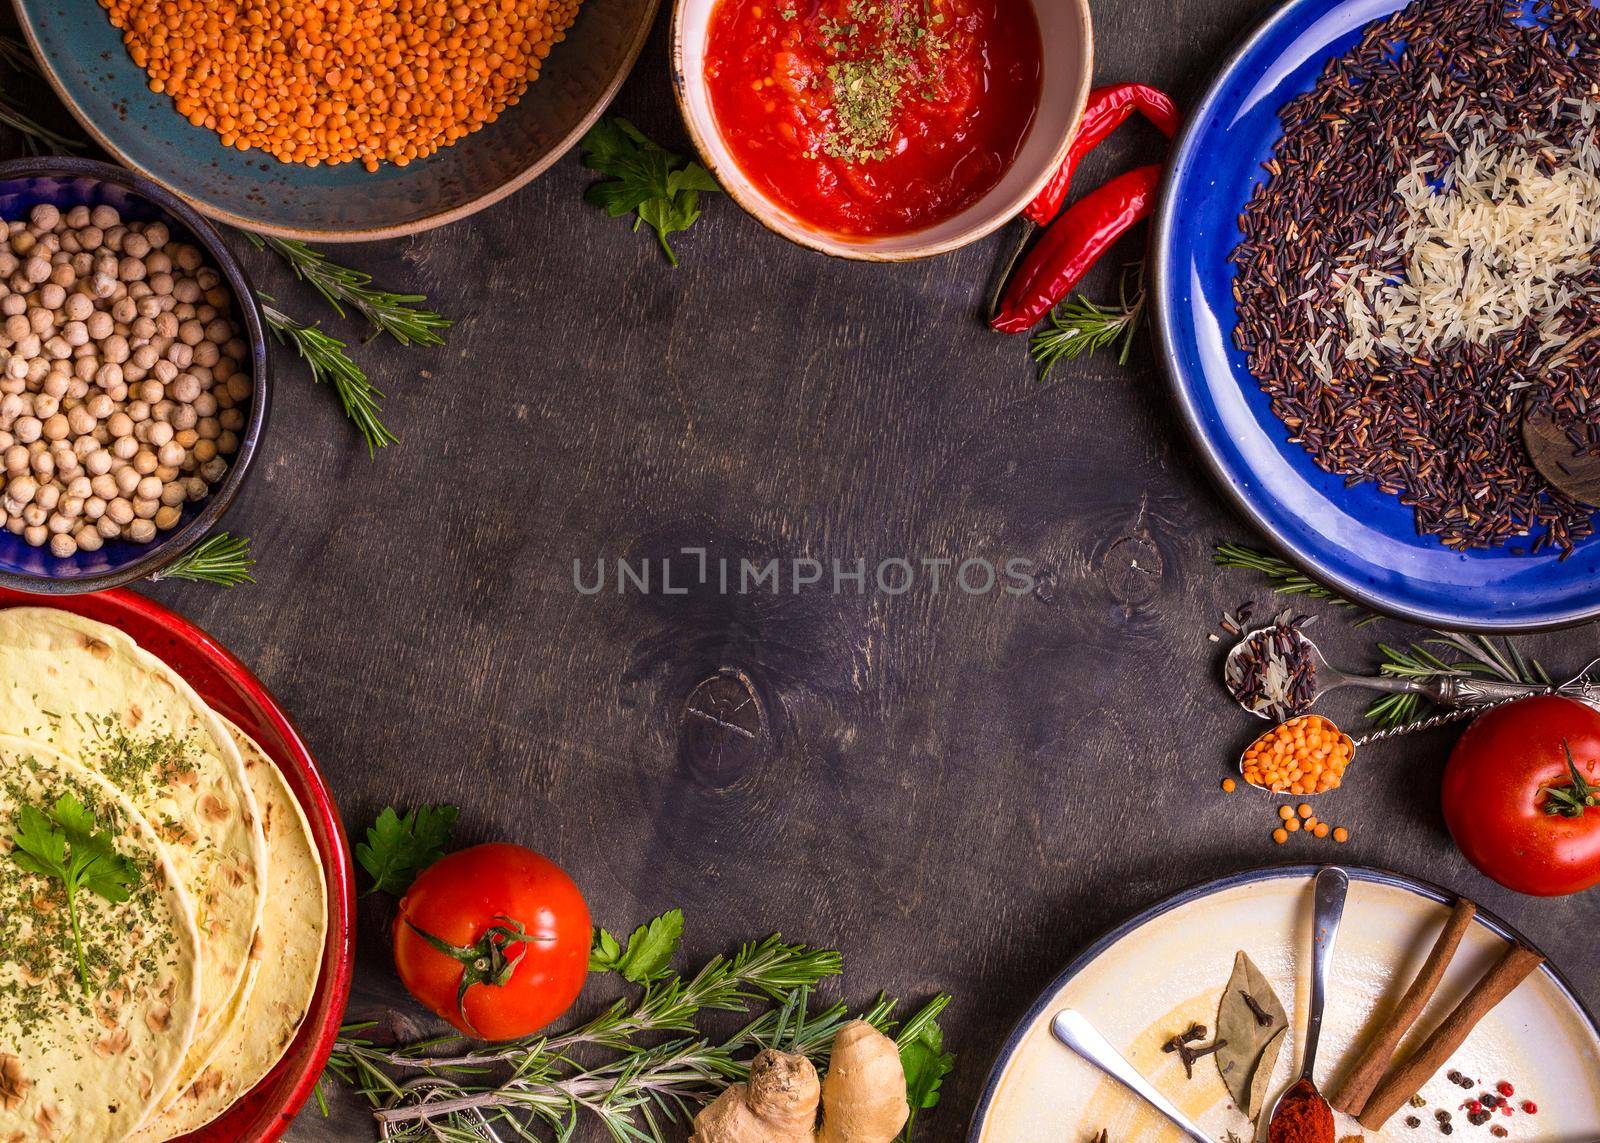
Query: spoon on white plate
x=1074, y=1030
x=1331, y=887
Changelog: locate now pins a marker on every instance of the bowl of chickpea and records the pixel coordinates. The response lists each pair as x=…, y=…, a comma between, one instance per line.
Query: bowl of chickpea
x=133, y=376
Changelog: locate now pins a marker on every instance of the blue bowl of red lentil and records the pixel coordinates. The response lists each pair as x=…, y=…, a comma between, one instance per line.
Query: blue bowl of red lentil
x=1362, y=542
x=72, y=188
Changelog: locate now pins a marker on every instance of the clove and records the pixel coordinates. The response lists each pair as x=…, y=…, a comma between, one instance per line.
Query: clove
x=1263, y=1017
x=1184, y=1044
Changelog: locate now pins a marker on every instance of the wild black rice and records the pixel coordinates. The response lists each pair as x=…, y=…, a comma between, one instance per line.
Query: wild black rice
x=1438, y=429
x=1273, y=671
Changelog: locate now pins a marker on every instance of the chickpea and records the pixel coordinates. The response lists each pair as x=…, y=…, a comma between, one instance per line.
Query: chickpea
x=121, y=388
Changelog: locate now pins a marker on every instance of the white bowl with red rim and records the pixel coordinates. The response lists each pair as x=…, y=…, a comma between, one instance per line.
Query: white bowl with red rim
x=1066, y=68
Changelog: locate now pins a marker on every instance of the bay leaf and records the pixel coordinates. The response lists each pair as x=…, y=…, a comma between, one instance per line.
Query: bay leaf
x=1247, y=1038
x=1265, y=1066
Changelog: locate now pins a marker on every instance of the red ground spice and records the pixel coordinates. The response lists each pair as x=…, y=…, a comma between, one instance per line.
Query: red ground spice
x=1303, y=1116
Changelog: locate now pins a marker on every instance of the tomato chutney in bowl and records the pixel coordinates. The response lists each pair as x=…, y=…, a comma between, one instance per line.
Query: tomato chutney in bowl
x=882, y=129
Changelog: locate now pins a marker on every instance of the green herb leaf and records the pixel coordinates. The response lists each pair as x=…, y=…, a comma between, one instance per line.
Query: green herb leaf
x=220, y=559
x=66, y=846
x=648, y=954
x=661, y=187
x=924, y=1060
x=398, y=848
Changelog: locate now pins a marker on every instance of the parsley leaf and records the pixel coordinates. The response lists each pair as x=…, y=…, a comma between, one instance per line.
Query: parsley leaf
x=648, y=954
x=398, y=848
x=924, y=1059
x=661, y=187
x=65, y=845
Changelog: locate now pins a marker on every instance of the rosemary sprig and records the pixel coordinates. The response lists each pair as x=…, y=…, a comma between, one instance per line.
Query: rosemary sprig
x=639, y=1067
x=1449, y=654
x=330, y=364
x=1079, y=325
x=1285, y=579
x=220, y=559
x=397, y=315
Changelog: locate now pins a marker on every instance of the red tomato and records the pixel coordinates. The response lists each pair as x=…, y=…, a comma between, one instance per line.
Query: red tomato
x=1496, y=795
x=495, y=939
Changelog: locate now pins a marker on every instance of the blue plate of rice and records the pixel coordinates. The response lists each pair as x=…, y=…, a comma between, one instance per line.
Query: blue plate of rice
x=1441, y=567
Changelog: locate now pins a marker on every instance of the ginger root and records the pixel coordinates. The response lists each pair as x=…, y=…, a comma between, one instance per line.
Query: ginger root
x=777, y=1105
x=864, y=1093
x=863, y=1097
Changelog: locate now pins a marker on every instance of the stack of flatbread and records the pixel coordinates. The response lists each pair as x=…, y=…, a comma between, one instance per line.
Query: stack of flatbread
x=192, y=986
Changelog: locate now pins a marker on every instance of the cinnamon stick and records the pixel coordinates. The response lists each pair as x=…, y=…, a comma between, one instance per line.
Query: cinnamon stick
x=1405, y=1081
x=1352, y=1095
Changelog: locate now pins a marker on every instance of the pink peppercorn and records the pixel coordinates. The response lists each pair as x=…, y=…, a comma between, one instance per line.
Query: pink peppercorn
x=1530, y=1107
x=1504, y=1088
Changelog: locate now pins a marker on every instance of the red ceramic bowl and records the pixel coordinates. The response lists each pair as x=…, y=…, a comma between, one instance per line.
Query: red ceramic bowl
x=264, y=1112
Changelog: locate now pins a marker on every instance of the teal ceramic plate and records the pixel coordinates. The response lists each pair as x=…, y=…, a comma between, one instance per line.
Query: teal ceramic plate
x=83, y=57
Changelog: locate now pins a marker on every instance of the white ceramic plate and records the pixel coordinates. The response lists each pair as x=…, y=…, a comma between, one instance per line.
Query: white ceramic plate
x=1167, y=967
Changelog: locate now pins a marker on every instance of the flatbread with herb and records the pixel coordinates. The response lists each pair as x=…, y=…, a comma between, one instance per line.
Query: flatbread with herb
x=86, y=1057
x=287, y=962
x=91, y=692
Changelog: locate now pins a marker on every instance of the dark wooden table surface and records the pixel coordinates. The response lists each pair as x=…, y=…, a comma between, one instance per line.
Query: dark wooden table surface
x=962, y=789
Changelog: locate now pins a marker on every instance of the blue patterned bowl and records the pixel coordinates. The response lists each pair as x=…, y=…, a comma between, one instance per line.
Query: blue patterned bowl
x=66, y=183
x=1361, y=542
x=83, y=57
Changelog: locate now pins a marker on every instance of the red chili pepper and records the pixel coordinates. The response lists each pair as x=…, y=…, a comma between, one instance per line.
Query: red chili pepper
x=1108, y=108
x=1073, y=244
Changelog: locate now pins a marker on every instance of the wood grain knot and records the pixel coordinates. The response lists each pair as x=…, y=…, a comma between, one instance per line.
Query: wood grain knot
x=723, y=730
x=1132, y=568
